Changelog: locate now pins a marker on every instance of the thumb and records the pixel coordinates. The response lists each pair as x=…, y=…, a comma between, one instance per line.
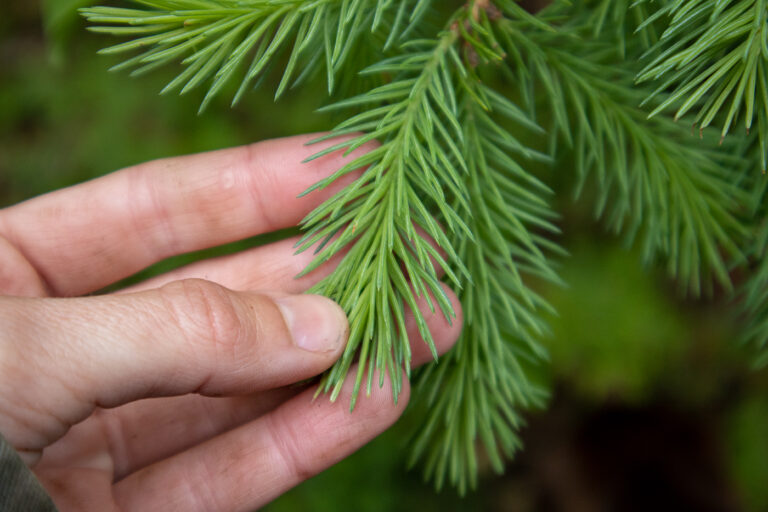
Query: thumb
x=60, y=358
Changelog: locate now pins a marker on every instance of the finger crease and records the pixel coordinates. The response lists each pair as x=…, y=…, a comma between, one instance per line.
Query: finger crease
x=258, y=178
x=167, y=243
x=284, y=438
x=114, y=433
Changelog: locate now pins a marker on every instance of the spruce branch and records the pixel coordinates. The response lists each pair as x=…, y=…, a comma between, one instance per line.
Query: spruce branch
x=386, y=222
x=446, y=190
x=477, y=391
x=622, y=22
x=215, y=39
x=713, y=58
x=385, y=218
x=654, y=181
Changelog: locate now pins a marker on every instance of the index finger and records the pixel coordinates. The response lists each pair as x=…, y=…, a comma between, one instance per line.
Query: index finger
x=85, y=237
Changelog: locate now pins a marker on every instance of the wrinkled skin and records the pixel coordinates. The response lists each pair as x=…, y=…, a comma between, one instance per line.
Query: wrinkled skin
x=176, y=394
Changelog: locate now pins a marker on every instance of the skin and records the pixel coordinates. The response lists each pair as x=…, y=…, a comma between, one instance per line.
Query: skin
x=176, y=394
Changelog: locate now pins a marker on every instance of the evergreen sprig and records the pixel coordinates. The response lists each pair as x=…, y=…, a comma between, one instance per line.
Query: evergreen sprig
x=215, y=39
x=489, y=367
x=620, y=22
x=713, y=57
x=385, y=218
x=448, y=189
x=510, y=219
x=654, y=180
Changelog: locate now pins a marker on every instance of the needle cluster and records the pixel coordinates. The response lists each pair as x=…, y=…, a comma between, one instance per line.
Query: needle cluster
x=457, y=104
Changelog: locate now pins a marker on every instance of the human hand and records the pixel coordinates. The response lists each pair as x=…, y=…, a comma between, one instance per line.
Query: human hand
x=175, y=394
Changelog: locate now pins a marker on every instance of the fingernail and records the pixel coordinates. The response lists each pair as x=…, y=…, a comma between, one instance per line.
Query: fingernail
x=317, y=324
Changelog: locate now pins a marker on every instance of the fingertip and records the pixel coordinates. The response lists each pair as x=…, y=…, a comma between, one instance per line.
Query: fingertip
x=316, y=323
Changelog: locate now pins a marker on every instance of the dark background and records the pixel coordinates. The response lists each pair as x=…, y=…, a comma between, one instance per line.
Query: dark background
x=654, y=406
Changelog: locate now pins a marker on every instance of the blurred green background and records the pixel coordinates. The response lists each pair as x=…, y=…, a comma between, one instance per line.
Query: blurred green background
x=654, y=405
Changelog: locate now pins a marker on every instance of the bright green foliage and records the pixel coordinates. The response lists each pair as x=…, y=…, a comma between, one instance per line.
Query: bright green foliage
x=449, y=187
x=503, y=320
x=712, y=58
x=654, y=180
x=416, y=171
x=615, y=21
x=224, y=39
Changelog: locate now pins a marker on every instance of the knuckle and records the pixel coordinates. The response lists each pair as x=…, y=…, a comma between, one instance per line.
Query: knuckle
x=17, y=276
x=33, y=414
x=286, y=441
x=205, y=312
x=257, y=179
